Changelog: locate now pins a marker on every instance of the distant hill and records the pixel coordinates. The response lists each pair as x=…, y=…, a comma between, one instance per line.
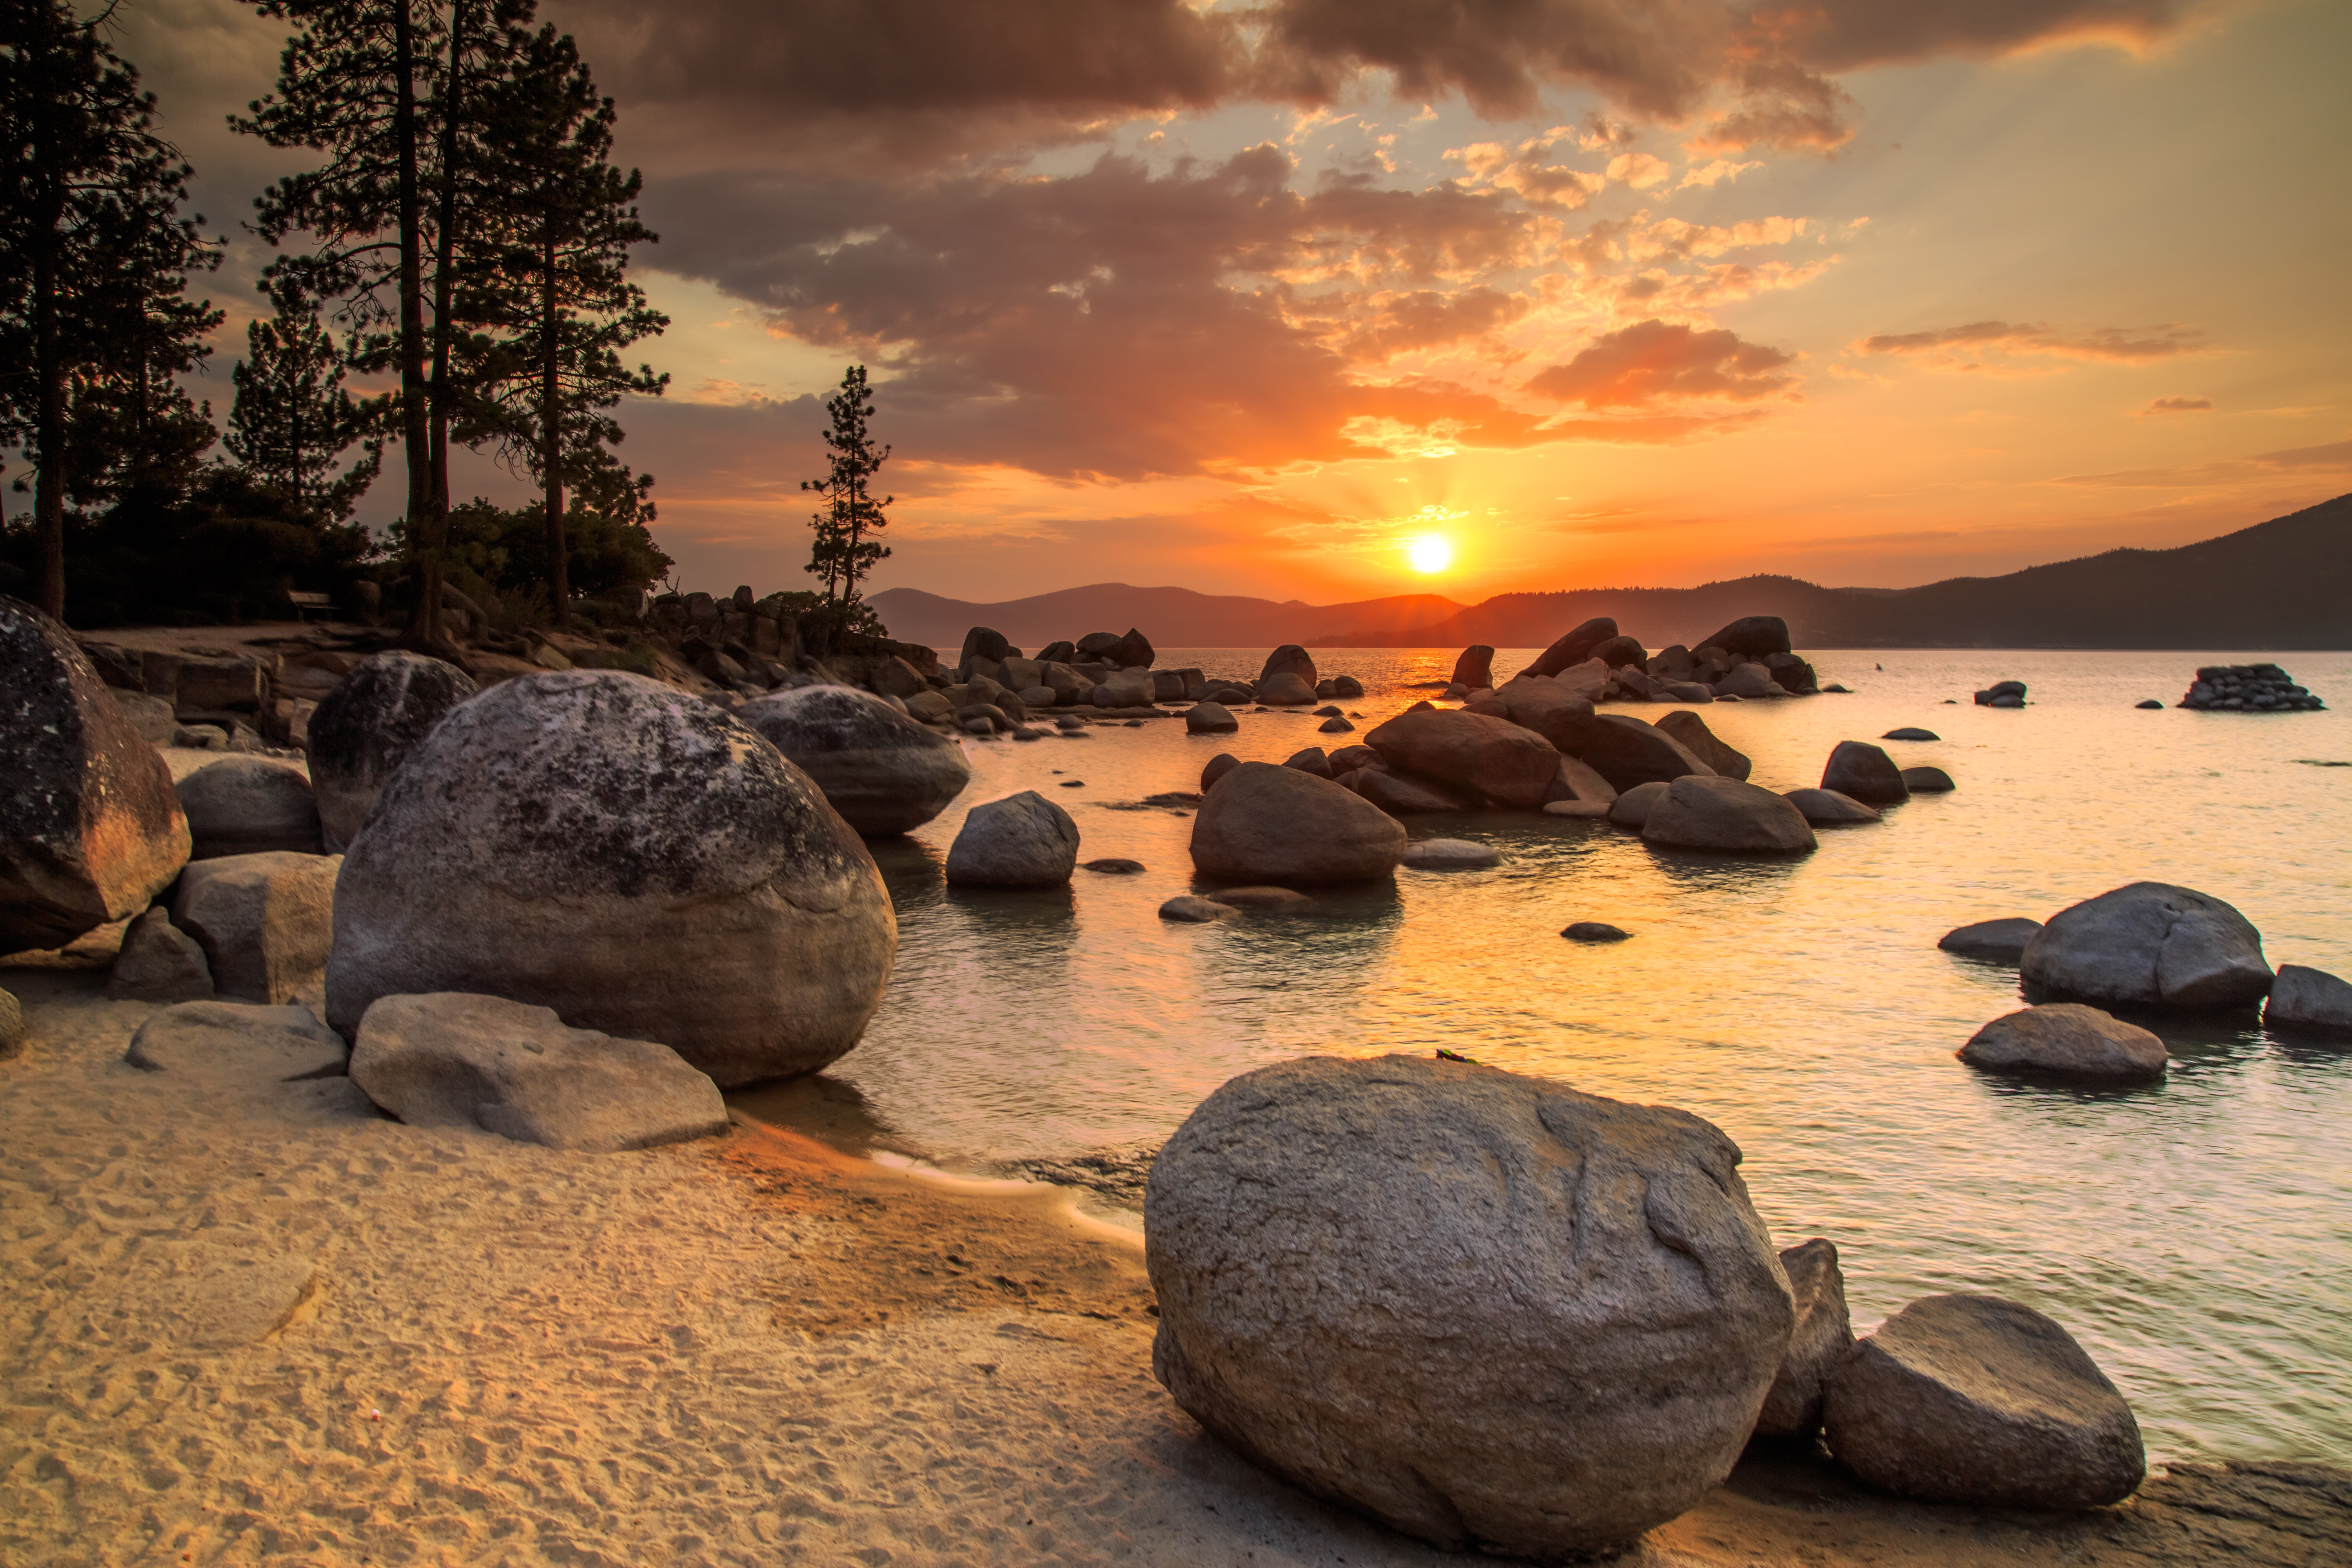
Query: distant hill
x=2282, y=584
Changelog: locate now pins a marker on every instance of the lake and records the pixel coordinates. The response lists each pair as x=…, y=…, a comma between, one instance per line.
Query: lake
x=2195, y=1235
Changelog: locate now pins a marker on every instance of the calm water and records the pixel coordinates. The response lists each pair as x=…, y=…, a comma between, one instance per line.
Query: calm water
x=2195, y=1235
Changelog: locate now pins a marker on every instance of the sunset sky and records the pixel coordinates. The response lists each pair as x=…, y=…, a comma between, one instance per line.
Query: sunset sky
x=1589, y=292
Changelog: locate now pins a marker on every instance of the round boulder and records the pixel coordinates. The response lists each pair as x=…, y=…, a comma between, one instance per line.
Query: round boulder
x=629, y=856
x=1974, y=1399
x=1268, y=824
x=1286, y=691
x=1472, y=752
x=2311, y=1000
x=1700, y=812
x=1021, y=841
x=1218, y=767
x=2066, y=1039
x=1572, y=1298
x=1288, y=660
x=1927, y=780
x=1868, y=775
x=880, y=770
x=1996, y=942
x=366, y=727
x=249, y=805
x=1210, y=718
x=2153, y=944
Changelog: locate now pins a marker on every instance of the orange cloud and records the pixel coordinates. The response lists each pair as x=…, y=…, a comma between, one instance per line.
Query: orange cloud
x=1653, y=361
x=2122, y=345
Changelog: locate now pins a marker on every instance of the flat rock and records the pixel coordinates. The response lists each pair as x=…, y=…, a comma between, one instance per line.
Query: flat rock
x=1326, y=1239
x=159, y=962
x=1862, y=771
x=1927, y=780
x=1193, y=911
x=1974, y=1399
x=265, y=922
x=1996, y=942
x=2311, y=1000
x=248, y=806
x=1721, y=814
x=231, y=1044
x=879, y=768
x=1577, y=808
x=1792, y=1408
x=1267, y=897
x=1268, y=824
x=1021, y=841
x=1826, y=807
x=366, y=727
x=1910, y=732
x=1595, y=931
x=2153, y=944
x=1450, y=855
x=451, y=1059
x=1111, y=866
x=2069, y=1039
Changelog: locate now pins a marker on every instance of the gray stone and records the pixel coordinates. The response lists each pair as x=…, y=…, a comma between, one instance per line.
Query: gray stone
x=2152, y=944
x=1720, y=814
x=1824, y=1335
x=227, y=1045
x=2069, y=1039
x=1210, y=718
x=1470, y=753
x=249, y=805
x=1284, y=690
x=1021, y=841
x=1826, y=807
x=2311, y=1000
x=1927, y=780
x=91, y=828
x=1268, y=824
x=1572, y=1298
x=365, y=728
x=1632, y=808
x=1450, y=855
x=266, y=922
x=1974, y=1399
x=1595, y=931
x=1691, y=732
x=1862, y=771
x=883, y=772
x=452, y=1060
x=1190, y=911
x=1997, y=941
x=630, y=856
x=159, y=962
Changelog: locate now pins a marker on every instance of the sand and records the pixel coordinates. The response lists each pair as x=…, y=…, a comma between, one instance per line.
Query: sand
x=259, y=1323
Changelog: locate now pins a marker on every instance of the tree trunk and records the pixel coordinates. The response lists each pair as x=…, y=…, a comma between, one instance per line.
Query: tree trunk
x=48, y=354
x=445, y=270
x=551, y=428
x=426, y=540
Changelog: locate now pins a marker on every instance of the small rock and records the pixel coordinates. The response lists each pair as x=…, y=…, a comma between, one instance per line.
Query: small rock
x=1113, y=867
x=2311, y=1000
x=1792, y=1408
x=1210, y=718
x=159, y=962
x=1632, y=808
x=1577, y=808
x=1861, y=770
x=267, y=922
x=1021, y=841
x=1996, y=942
x=1262, y=898
x=1070, y=724
x=1595, y=931
x=1927, y=780
x=1326, y=712
x=1311, y=760
x=1826, y=807
x=229, y=1045
x=2002, y=694
x=1336, y=727
x=1450, y=855
x=1911, y=733
x=2067, y=1039
x=2147, y=702
x=1186, y=907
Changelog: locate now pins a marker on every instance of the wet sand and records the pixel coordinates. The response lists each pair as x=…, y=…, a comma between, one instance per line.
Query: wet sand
x=259, y=1323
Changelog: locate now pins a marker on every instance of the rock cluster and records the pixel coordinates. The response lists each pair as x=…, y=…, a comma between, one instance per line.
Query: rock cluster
x=2248, y=688
x=2002, y=694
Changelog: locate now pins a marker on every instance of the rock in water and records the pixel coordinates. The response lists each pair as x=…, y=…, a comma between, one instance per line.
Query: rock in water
x=1268, y=824
x=449, y=1060
x=1792, y=1408
x=1288, y=660
x=228, y=1045
x=1752, y=637
x=1210, y=718
x=1974, y=1399
x=2153, y=944
x=1700, y=813
x=1691, y=732
x=1911, y=732
x=2068, y=1040
x=1862, y=771
x=159, y=962
x=1927, y=780
x=1571, y=1296
x=366, y=727
x=1595, y=931
x=1218, y=767
x=1627, y=752
x=248, y=806
x=2309, y=999
x=90, y=829
x=265, y=921
x=1996, y=942
x=1488, y=757
x=1575, y=648
x=1632, y=808
x=1475, y=668
x=630, y=856
x=1451, y=855
x=883, y=772
x=1021, y=841
x=1398, y=795
x=1827, y=808
x=1284, y=690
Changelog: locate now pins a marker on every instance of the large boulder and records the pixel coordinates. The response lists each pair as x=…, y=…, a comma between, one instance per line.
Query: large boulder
x=266, y=922
x=248, y=806
x=1691, y=732
x=1268, y=824
x=12, y=1026
x=1286, y=691
x=630, y=856
x=1475, y=668
x=451, y=1059
x=1485, y=1309
x=1627, y=752
x=91, y=828
x=1491, y=758
x=2066, y=1039
x=1289, y=660
x=883, y=772
x=1550, y=708
x=1021, y=841
x=159, y=962
x=1867, y=772
x=1705, y=813
x=1124, y=688
x=1210, y=718
x=1749, y=681
x=983, y=642
x=1576, y=781
x=1824, y=1334
x=1622, y=654
x=1756, y=637
x=1575, y=648
x=1974, y=1399
x=365, y=728
x=2151, y=944
x=2310, y=1000
x=1996, y=942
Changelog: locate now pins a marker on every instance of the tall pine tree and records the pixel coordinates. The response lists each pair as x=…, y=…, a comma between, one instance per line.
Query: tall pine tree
x=843, y=554
x=293, y=419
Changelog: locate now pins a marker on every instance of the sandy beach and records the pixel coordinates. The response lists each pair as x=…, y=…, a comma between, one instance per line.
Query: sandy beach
x=260, y=1323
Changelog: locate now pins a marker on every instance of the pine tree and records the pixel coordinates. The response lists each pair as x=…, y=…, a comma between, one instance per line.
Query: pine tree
x=293, y=421
x=843, y=554
x=94, y=262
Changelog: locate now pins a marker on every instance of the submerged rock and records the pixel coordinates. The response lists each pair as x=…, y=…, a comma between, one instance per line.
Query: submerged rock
x=883, y=772
x=2069, y=1039
x=2153, y=944
x=1190, y=911
x=1911, y=733
x=1824, y=1334
x=1595, y=931
x=1451, y=855
x=1021, y=841
x=1305, y=1302
x=1927, y=780
x=366, y=727
x=1268, y=824
x=1997, y=941
x=1861, y=770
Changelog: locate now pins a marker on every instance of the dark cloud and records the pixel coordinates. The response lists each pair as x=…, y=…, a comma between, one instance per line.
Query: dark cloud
x=1655, y=362
x=2177, y=405
x=2126, y=344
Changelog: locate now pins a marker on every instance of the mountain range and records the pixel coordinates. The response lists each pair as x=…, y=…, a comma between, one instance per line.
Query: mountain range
x=2282, y=584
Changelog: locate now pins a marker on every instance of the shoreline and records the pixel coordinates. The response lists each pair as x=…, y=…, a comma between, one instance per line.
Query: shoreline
x=719, y=1353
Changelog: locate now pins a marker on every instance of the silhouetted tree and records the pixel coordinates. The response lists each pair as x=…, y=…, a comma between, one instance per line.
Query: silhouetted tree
x=843, y=554
x=293, y=421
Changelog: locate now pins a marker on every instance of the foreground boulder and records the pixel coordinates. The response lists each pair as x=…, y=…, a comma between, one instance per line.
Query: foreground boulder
x=1705, y=812
x=2153, y=944
x=633, y=858
x=1824, y=1334
x=2066, y=1039
x=2311, y=1000
x=883, y=772
x=450, y=1059
x=1492, y=758
x=1691, y=732
x=159, y=962
x=1268, y=824
x=1572, y=1297
x=227, y=1045
x=1974, y=1399
x=1867, y=774
x=366, y=727
x=1996, y=942
x=1021, y=841
x=90, y=829
x=266, y=922
x=248, y=806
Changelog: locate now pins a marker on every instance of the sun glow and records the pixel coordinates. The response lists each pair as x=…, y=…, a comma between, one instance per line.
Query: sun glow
x=1430, y=555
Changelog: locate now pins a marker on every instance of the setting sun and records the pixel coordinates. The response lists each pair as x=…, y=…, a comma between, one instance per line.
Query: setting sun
x=1430, y=555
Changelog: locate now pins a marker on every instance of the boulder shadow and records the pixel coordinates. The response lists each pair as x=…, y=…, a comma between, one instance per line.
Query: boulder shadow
x=835, y=1112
